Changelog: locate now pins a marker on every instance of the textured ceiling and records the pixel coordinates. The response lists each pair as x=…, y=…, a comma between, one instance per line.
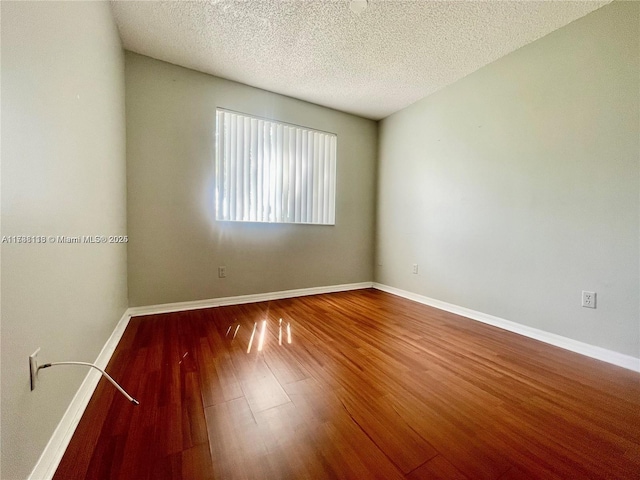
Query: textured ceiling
x=373, y=64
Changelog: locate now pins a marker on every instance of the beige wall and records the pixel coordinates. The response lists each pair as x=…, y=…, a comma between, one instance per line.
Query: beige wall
x=517, y=187
x=176, y=245
x=63, y=173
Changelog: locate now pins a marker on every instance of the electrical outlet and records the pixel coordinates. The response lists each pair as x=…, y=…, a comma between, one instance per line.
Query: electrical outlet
x=222, y=272
x=33, y=368
x=589, y=299
x=415, y=268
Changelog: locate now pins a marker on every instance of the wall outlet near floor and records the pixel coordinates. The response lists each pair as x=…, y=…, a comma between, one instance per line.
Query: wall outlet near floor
x=33, y=368
x=415, y=269
x=222, y=272
x=588, y=299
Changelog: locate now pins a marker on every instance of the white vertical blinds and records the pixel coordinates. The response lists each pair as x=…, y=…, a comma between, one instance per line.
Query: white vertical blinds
x=268, y=171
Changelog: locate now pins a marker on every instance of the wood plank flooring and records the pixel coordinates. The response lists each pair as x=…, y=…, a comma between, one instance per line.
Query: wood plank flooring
x=370, y=386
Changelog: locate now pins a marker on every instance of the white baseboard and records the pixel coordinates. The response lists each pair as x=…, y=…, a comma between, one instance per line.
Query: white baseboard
x=258, y=297
x=599, y=353
x=53, y=452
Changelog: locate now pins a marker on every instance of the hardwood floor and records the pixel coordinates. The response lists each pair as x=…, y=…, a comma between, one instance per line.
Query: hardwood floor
x=370, y=386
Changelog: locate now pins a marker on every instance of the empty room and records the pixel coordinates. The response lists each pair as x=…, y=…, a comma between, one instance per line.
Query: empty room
x=267, y=239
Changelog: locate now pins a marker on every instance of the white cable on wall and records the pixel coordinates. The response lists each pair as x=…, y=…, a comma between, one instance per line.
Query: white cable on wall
x=86, y=364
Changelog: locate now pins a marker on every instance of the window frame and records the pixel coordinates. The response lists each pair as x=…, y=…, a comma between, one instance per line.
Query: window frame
x=260, y=169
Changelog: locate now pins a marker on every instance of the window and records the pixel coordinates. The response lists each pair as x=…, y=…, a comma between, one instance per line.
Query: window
x=269, y=171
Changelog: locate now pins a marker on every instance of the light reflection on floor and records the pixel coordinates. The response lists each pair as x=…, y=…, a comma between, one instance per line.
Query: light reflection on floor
x=262, y=337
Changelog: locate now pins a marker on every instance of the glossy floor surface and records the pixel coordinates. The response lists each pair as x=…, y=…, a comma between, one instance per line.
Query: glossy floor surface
x=353, y=385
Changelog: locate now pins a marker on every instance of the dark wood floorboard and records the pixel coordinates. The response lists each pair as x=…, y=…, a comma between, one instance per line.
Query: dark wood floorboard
x=370, y=386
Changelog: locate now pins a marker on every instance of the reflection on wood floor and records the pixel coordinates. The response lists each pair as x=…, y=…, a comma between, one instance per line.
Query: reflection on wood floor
x=353, y=385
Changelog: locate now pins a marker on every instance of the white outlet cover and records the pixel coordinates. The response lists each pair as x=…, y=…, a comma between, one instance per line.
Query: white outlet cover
x=588, y=299
x=33, y=368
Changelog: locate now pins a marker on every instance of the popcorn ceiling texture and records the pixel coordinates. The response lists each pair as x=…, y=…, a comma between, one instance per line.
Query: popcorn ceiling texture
x=372, y=64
